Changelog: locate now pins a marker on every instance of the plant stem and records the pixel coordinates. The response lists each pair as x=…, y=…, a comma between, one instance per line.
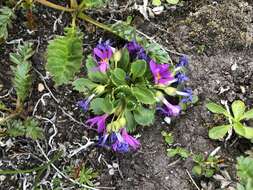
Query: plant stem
x=54, y=6
x=94, y=22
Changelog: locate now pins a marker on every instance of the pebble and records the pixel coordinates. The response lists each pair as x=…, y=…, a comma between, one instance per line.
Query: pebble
x=41, y=87
x=2, y=177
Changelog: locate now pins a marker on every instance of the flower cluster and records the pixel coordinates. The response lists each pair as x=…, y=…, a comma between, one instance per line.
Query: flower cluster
x=124, y=89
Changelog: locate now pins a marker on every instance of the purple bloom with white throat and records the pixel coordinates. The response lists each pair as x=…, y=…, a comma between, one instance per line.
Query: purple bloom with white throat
x=169, y=109
x=161, y=73
x=99, y=121
x=187, y=93
x=84, y=104
x=124, y=142
x=102, y=53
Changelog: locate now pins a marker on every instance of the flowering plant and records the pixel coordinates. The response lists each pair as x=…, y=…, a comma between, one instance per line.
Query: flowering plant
x=124, y=87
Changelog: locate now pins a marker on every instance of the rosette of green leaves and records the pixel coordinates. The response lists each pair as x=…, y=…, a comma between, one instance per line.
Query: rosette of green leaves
x=236, y=118
x=123, y=91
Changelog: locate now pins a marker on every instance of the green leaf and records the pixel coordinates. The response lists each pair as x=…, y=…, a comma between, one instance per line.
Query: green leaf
x=239, y=128
x=131, y=124
x=124, y=61
x=173, y=2
x=215, y=108
x=248, y=132
x=82, y=84
x=245, y=169
x=33, y=130
x=238, y=108
x=144, y=116
x=248, y=114
x=6, y=17
x=92, y=3
x=15, y=128
x=182, y=152
x=2, y=106
x=101, y=105
x=64, y=56
x=218, y=132
x=197, y=170
x=168, y=137
x=138, y=68
x=156, y=2
x=157, y=52
x=23, y=54
x=209, y=173
x=144, y=95
x=118, y=77
x=22, y=79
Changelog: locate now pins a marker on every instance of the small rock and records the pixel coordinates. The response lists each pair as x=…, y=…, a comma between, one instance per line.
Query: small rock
x=2, y=177
x=41, y=87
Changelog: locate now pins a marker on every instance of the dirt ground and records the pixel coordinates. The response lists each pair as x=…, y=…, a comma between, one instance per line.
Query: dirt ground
x=217, y=35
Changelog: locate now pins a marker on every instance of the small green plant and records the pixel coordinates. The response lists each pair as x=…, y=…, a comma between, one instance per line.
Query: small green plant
x=235, y=120
x=28, y=128
x=245, y=173
x=6, y=17
x=83, y=174
x=204, y=166
x=168, y=137
x=21, y=80
x=159, y=2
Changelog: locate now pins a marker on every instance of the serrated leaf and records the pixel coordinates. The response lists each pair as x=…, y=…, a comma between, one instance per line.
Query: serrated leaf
x=83, y=84
x=238, y=108
x=138, y=68
x=118, y=77
x=15, y=128
x=215, y=108
x=6, y=17
x=33, y=130
x=101, y=105
x=22, y=80
x=23, y=54
x=218, y=132
x=64, y=56
x=144, y=95
x=173, y=2
x=144, y=116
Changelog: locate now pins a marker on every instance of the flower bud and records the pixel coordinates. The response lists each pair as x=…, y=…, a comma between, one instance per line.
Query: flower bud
x=99, y=89
x=159, y=96
x=122, y=121
x=170, y=91
x=116, y=126
x=117, y=56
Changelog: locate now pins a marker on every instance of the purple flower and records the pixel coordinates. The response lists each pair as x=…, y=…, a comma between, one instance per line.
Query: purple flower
x=181, y=77
x=124, y=142
x=160, y=72
x=99, y=121
x=84, y=104
x=137, y=51
x=102, y=53
x=183, y=61
x=187, y=93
